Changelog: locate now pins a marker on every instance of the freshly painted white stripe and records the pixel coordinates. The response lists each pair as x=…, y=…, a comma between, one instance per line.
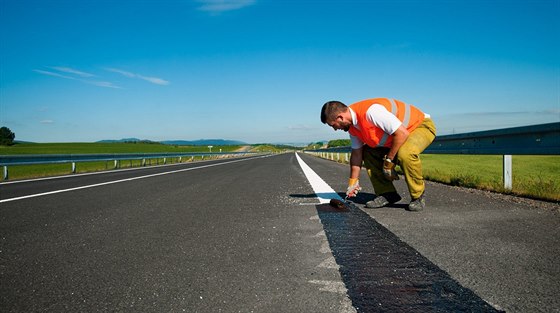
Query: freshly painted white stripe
x=122, y=180
x=323, y=191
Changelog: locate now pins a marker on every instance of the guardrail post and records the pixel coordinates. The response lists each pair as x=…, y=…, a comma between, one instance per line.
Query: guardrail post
x=164, y=160
x=5, y=172
x=507, y=172
x=143, y=162
x=116, y=163
x=73, y=167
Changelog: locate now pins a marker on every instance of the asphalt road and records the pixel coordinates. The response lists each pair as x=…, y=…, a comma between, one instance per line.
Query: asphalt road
x=249, y=235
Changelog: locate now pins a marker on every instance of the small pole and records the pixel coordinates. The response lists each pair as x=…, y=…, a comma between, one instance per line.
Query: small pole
x=5, y=172
x=73, y=167
x=507, y=173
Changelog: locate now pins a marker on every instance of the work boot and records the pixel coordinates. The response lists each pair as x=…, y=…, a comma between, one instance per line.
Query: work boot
x=383, y=199
x=417, y=204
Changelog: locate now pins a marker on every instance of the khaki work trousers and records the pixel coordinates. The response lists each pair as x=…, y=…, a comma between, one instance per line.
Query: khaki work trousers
x=408, y=158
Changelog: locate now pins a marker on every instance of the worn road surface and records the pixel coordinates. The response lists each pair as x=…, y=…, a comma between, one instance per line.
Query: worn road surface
x=251, y=235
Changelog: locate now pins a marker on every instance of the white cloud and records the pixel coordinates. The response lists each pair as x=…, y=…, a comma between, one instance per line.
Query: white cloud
x=82, y=76
x=54, y=74
x=104, y=84
x=153, y=80
x=218, y=6
x=62, y=72
x=125, y=73
x=71, y=71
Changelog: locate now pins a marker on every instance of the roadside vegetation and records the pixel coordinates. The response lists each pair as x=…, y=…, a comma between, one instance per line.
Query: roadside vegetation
x=534, y=176
x=45, y=170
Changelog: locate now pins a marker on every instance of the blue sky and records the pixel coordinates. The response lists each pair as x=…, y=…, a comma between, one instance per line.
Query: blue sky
x=260, y=70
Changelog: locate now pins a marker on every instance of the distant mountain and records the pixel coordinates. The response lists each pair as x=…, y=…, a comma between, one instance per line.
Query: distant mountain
x=200, y=142
x=204, y=142
x=122, y=140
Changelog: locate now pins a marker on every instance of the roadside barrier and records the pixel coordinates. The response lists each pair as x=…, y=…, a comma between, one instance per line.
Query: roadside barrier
x=10, y=160
x=541, y=139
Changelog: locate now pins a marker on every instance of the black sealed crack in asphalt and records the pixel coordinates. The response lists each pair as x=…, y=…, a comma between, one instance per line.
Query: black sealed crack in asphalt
x=384, y=274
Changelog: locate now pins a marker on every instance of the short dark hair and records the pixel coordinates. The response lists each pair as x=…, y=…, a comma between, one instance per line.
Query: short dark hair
x=331, y=109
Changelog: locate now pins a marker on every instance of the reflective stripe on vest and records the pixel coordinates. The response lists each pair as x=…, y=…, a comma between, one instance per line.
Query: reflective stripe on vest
x=405, y=121
x=406, y=118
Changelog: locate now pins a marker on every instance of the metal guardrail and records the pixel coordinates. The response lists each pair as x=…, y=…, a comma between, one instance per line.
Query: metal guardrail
x=541, y=139
x=11, y=160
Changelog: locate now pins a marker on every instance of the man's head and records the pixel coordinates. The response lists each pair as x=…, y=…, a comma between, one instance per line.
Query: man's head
x=337, y=115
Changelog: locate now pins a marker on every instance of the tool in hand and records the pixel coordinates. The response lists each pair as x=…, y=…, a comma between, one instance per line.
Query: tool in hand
x=338, y=203
x=352, y=191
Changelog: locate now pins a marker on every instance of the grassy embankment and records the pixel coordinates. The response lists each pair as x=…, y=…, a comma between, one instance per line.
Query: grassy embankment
x=43, y=170
x=534, y=176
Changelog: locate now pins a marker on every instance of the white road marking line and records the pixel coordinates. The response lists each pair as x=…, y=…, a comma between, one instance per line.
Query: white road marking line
x=323, y=191
x=120, y=181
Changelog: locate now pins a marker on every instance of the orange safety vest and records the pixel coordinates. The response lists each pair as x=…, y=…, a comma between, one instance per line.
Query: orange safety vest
x=374, y=136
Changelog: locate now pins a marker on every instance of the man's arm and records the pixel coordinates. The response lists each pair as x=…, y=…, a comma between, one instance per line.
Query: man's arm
x=399, y=137
x=355, y=168
x=356, y=162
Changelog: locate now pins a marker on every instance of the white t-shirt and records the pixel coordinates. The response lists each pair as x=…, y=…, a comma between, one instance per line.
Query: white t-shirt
x=378, y=116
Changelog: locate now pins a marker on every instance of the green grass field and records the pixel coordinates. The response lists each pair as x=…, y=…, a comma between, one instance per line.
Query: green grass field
x=534, y=176
x=45, y=170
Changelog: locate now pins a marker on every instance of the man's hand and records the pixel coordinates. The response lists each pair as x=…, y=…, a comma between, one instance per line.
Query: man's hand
x=353, y=187
x=389, y=169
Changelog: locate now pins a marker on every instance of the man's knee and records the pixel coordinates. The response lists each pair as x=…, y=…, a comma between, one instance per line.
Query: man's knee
x=407, y=154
